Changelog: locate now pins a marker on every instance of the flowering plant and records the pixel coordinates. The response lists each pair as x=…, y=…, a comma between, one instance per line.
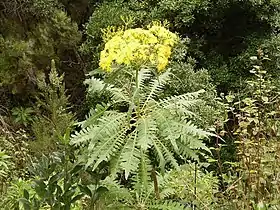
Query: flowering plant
x=139, y=46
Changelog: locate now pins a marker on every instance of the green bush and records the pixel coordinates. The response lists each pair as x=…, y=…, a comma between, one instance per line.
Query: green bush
x=189, y=184
x=27, y=46
x=53, y=116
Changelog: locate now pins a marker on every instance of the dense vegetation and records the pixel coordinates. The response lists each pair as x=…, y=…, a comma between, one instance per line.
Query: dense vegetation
x=117, y=104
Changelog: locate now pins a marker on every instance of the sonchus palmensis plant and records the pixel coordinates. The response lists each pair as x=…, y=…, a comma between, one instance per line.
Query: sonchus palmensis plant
x=152, y=132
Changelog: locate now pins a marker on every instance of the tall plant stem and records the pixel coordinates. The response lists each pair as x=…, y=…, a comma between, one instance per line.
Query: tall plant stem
x=137, y=93
x=156, y=188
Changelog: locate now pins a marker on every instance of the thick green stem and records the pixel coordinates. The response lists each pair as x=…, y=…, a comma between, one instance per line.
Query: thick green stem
x=137, y=93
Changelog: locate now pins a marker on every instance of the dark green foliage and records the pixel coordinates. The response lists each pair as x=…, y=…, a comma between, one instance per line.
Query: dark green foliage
x=32, y=33
x=54, y=184
x=22, y=115
x=22, y=57
x=57, y=185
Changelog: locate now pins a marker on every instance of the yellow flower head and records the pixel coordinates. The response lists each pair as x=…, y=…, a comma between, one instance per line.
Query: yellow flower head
x=139, y=46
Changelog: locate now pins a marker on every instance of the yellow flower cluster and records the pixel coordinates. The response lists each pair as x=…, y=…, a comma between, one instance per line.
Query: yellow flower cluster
x=139, y=46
